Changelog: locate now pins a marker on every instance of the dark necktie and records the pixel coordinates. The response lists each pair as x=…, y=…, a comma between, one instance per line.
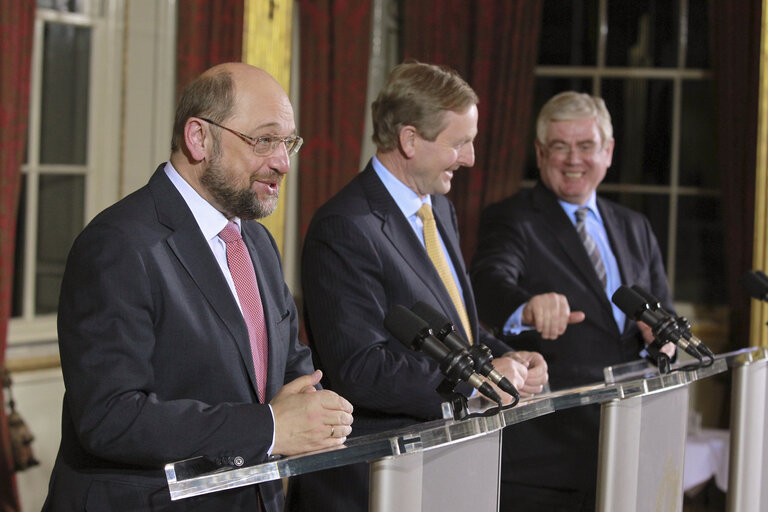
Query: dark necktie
x=244, y=277
x=589, y=244
x=436, y=254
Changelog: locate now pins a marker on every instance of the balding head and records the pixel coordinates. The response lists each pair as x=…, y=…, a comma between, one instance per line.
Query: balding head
x=216, y=92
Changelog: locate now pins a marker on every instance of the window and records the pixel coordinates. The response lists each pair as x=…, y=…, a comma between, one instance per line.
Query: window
x=65, y=151
x=649, y=60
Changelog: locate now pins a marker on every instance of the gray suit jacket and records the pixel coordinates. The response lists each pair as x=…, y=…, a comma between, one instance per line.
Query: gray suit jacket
x=156, y=358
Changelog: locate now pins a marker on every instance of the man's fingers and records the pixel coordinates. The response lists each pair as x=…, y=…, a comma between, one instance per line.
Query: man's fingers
x=309, y=421
x=341, y=431
x=576, y=317
x=335, y=402
x=299, y=384
x=550, y=313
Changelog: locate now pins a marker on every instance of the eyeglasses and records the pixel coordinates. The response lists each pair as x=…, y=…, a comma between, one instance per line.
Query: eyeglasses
x=585, y=149
x=267, y=144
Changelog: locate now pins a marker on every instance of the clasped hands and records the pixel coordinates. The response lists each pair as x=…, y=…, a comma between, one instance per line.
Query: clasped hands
x=527, y=371
x=307, y=419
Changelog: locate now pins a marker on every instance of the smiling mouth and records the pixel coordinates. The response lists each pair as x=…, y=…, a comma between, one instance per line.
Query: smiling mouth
x=574, y=174
x=272, y=186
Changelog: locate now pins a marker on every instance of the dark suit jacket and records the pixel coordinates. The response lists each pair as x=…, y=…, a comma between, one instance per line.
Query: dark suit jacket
x=528, y=246
x=156, y=359
x=361, y=258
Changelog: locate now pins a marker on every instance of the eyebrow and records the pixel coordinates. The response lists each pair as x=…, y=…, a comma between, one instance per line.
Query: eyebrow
x=583, y=141
x=267, y=126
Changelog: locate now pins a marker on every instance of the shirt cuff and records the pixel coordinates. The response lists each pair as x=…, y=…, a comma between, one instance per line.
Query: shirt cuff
x=272, y=446
x=514, y=324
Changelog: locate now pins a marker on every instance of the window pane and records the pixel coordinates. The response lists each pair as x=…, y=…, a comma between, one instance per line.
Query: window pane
x=641, y=113
x=60, y=219
x=697, y=136
x=17, y=295
x=697, y=55
x=64, y=123
x=642, y=33
x=568, y=33
x=62, y=5
x=653, y=206
x=544, y=89
x=700, y=260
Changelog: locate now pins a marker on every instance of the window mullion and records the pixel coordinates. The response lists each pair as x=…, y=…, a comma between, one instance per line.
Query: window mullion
x=602, y=41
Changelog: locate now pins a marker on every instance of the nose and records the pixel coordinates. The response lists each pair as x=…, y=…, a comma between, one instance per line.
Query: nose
x=573, y=156
x=280, y=161
x=467, y=155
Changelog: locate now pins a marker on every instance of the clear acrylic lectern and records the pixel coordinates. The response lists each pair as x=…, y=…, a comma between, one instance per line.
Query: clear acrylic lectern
x=451, y=464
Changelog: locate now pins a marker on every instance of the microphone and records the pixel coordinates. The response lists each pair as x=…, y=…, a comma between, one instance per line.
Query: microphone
x=664, y=327
x=756, y=284
x=413, y=332
x=445, y=331
x=682, y=322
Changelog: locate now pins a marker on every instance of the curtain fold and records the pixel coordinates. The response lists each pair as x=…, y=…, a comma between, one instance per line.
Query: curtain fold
x=17, y=18
x=735, y=49
x=208, y=33
x=493, y=45
x=335, y=42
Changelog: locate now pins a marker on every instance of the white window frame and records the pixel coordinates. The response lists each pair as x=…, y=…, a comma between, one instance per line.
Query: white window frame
x=104, y=17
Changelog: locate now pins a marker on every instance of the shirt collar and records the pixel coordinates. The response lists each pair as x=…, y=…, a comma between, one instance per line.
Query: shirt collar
x=406, y=199
x=210, y=220
x=570, y=208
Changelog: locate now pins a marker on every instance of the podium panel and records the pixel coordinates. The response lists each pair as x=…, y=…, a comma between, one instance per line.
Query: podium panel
x=460, y=477
x=748, y=466
x=642, y=451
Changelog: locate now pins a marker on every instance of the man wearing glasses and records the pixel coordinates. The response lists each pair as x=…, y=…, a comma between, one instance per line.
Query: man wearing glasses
x=549, y=259
x=177, y=333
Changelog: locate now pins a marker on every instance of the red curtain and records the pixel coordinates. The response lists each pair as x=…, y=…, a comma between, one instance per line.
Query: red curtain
x=209, y=32
x=335, y=45
x=735, y=50
x=17, y=19
x=493, y=45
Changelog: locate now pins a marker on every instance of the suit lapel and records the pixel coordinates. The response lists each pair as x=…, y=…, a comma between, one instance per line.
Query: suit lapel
x=193, y=252
x=566, y=235
x=617, y=237
x=399, y=232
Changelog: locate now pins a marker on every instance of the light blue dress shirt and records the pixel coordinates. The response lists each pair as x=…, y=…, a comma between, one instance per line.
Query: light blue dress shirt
x=596, y=229
x=409, y=203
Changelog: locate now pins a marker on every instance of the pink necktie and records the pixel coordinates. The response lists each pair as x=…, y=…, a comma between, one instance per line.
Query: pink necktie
x=244, y=277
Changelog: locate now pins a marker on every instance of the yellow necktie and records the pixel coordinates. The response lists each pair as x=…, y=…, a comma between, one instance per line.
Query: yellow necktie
x=436, y=254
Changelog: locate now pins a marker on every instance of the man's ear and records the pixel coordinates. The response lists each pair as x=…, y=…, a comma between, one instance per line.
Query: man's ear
x=195, y=138
x=408, y=135
x=539, y=153
x=609, y=152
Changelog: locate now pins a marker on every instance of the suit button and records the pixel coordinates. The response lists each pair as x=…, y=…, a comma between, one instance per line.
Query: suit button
x=239, y=461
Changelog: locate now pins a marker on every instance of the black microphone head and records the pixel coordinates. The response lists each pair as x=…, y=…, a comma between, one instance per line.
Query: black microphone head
x=433, y=317
x=405, y=326
x=629, y=301
x=442, y=327
x=652, y=301
x=755, y=285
